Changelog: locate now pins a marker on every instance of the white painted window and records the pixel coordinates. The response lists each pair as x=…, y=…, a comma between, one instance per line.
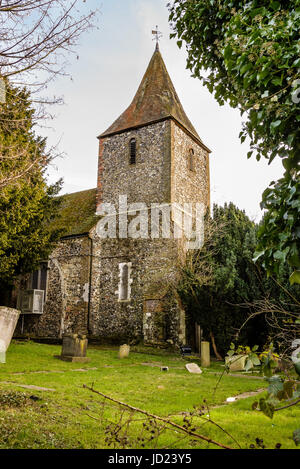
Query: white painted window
x=125, y=281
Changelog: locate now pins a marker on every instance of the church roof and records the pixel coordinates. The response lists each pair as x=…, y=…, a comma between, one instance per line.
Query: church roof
x=155, y=100
x=77, y=213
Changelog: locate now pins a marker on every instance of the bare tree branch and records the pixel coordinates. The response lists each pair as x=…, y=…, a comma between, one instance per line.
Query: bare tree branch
x=36, y=35
x=162, y=419
x=35, y=38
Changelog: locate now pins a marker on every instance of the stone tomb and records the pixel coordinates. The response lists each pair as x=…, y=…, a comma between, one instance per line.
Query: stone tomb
x=74, y=348
x=8, y=321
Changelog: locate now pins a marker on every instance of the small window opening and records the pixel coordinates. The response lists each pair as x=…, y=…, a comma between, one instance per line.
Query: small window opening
x=133, y=151
x=125, y=282
x=191, y=160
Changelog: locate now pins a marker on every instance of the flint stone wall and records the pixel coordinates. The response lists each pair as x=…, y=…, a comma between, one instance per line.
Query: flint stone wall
x=189, y=186
x=153, y=314
x=152, y=270
x=66, y=305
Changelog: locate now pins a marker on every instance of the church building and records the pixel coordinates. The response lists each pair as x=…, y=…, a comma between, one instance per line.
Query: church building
x=121, y=287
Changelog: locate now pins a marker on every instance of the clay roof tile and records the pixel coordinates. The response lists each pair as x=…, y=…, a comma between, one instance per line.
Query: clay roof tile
x=155, y=100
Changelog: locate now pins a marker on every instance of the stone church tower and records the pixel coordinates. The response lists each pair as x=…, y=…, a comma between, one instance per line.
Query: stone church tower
x=153, y=155
x=120, y=288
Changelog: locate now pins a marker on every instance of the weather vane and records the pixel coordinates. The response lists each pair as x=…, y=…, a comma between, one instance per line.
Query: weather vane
x=158, y=35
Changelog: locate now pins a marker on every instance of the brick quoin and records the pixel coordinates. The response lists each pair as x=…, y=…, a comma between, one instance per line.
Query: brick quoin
x=99, y=194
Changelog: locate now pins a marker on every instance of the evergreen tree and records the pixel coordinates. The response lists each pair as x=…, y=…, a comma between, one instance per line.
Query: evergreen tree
x=250, y=51
x=221, y=281
x=27, y=204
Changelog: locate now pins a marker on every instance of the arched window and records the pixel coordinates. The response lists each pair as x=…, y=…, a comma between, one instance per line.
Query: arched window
x=191, y=160
x=133, y=151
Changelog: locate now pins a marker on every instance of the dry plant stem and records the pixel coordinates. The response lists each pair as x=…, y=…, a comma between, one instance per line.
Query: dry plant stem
x=156, y=417
x=288, y=405
x=218, y=382
x=223, y=430
x=286, y=291
x=285, y=407
x=282, y=322
x=176, y=442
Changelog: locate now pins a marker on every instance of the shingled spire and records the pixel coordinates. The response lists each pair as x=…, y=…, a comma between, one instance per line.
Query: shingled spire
x=155, y=100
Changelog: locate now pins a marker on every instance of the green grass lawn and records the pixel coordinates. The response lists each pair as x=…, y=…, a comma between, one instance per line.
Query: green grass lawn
x=71, y=416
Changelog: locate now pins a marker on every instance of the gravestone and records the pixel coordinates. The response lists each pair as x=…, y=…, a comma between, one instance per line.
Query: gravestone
x=74, y=348
x=2, y=351
x=236, y=362
x=124, y=351
x=8, y=321
x=205, y=354
x=193, y=368
x=164, y=368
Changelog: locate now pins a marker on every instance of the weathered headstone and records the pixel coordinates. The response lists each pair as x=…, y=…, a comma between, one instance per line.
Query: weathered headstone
x=236, y=362
x=74, y=348
x=8, y=321
x=124, y=351
x=205, y=354
x=2, y=352
x=193, y=368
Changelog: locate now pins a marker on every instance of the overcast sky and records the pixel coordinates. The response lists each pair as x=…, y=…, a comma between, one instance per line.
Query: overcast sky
x=112, y=62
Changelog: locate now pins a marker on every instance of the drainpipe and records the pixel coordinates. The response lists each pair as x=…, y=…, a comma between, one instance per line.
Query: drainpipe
x=90, y=287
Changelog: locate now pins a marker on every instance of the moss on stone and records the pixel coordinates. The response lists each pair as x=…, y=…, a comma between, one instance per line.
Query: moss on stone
x=77, y=214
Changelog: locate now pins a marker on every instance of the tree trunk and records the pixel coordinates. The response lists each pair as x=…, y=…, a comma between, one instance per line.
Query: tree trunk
x=213, y=343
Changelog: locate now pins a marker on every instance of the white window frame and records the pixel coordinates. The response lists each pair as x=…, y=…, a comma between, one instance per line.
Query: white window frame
x=120, y=290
